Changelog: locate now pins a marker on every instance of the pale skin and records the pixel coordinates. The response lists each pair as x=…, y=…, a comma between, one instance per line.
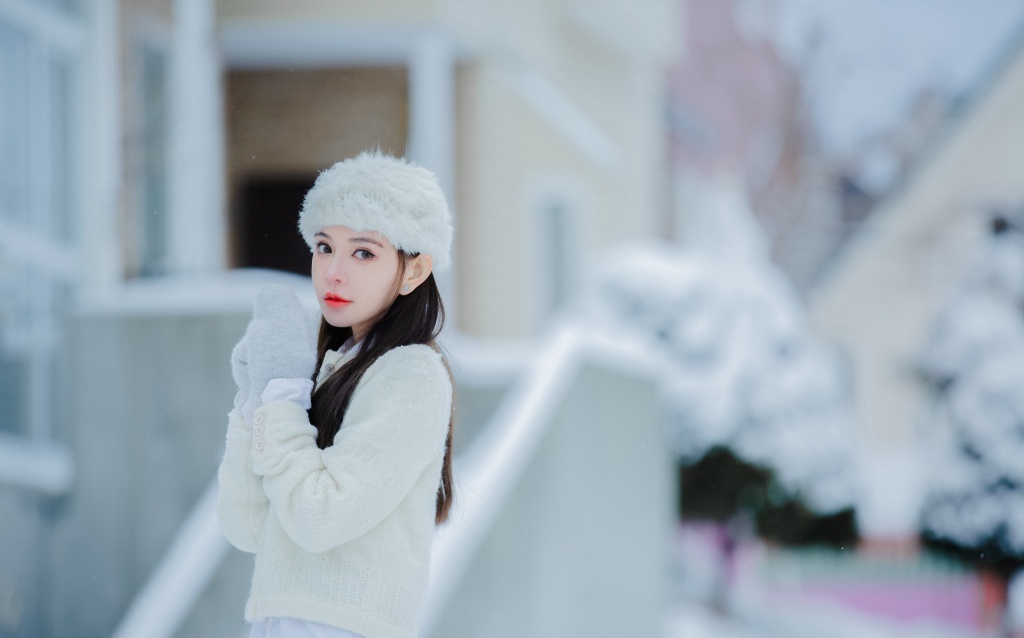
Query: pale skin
x=354, y=275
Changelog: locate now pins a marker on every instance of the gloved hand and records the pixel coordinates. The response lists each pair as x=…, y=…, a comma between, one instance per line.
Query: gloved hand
x=279, y=340
x=240, y=373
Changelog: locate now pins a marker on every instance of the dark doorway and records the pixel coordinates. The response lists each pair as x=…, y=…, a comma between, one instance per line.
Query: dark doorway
x=267, y=222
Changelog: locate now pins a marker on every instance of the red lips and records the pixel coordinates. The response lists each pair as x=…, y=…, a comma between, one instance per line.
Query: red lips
x=334, y=300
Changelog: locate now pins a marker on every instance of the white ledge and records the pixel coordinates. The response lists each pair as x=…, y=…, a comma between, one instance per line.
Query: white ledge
x=162, y=606
x=44, y=467
x=229, y=291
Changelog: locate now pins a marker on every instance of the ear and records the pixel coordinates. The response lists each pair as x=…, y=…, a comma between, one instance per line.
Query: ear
x=417, y=269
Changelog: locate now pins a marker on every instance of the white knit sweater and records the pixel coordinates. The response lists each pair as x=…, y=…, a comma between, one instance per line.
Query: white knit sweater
x=342, y=536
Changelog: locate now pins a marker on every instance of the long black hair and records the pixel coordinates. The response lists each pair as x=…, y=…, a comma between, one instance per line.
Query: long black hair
x=416, y=317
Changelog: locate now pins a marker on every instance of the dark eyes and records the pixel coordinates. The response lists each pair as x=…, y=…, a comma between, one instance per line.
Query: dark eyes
x=360, y=253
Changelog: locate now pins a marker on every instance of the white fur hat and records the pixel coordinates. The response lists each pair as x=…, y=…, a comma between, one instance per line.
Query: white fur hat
x=390, y=195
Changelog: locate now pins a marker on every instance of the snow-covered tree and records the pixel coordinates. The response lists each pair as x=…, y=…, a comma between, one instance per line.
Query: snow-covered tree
x=742, y=369
x=974, y=363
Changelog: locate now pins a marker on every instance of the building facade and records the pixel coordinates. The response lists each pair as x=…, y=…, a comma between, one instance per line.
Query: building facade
x=152, y=154
x=883, y=293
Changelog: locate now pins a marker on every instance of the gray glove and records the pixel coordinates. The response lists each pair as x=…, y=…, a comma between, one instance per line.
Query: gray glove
x=279, y=340
x=240, y=373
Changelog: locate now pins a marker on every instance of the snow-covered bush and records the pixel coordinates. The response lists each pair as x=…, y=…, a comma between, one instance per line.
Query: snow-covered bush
x=743, y=372
x=974, y=363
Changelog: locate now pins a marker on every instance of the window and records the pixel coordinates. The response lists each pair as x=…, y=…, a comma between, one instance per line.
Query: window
x=555, y=230
x=38, y=76
x=15, y=348
x=14, y=131
x=559, y=239
x=148, y=241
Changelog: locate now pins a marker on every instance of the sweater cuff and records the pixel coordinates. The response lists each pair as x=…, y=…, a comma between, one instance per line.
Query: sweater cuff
x=277, y=428
x=236, y=424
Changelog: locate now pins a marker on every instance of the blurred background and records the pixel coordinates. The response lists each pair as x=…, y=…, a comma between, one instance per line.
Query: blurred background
x=736, y=317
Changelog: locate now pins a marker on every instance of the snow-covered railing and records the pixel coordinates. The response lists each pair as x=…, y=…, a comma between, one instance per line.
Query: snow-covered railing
x=495, y=461
x=194, y=556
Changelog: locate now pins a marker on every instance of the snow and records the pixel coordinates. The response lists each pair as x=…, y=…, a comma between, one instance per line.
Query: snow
x=695, y=621
x=865, y=63
x=743, y=369
x=974, y=361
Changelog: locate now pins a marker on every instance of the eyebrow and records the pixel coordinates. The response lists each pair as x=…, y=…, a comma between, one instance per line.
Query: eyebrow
x=362, y=240
x=366, y=240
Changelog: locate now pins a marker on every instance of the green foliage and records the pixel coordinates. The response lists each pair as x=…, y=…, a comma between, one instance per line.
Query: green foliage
x=990, y=556
x=720, y=485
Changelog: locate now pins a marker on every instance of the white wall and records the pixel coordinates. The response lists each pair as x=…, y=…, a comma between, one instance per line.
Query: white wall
x=581, y=544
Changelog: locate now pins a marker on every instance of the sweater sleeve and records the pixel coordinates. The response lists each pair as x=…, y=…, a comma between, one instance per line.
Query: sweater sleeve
x=242, y=504
x=395, y=427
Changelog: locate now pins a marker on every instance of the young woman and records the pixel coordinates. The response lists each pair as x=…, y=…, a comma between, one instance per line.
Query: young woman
x=338, y=458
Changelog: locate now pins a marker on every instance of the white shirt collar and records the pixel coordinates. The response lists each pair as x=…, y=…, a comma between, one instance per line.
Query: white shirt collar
x=334, y=359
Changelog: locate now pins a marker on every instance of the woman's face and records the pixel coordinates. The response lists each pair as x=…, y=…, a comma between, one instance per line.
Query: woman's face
x=354, y=275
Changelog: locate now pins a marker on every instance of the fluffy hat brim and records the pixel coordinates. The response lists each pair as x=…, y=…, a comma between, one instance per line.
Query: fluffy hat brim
x=389, y=195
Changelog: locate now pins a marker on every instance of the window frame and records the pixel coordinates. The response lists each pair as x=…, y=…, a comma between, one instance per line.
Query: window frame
x=31, y=248
x=148, y=35
x=570, y=196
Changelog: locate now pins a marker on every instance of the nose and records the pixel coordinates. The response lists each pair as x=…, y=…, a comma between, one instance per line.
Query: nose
x=336, y=270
